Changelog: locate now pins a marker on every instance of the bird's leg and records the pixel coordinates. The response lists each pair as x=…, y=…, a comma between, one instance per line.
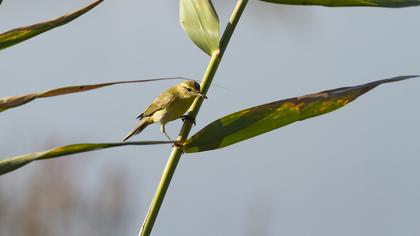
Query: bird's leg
x=188, y=117
x=162, y=129
x=176, y=143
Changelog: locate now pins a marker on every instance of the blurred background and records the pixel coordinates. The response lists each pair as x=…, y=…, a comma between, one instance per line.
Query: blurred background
x=351, y=172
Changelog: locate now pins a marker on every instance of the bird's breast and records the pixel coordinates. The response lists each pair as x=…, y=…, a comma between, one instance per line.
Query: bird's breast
x=177, y=109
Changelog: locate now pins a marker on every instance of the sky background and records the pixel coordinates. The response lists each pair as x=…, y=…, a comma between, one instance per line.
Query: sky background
x=351, y=172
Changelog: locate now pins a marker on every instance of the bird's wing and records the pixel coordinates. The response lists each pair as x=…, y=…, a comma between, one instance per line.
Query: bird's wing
x=158, y=104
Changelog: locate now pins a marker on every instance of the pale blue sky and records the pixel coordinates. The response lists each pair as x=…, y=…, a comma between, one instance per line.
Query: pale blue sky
x=351, y=172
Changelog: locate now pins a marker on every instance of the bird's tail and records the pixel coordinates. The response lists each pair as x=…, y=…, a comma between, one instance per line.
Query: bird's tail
x=143, y=123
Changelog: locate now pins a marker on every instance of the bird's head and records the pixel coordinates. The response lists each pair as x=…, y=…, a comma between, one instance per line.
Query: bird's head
x=190, y=89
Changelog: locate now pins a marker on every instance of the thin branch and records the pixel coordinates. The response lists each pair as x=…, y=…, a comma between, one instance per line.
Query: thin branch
x=208, y=76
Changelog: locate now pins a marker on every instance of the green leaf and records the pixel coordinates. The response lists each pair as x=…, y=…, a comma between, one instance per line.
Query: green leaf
x=21, y=34
x=200, y=21
x=351, y=3
x=14, y=101
x=257, y=120
x=13, y=163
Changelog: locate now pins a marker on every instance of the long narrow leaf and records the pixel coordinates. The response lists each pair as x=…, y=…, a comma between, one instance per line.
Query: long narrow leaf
x=14, y=101
x=257, y=120
x=200, y=21
x=351, y=3
x=21, y=34
x=13, y=163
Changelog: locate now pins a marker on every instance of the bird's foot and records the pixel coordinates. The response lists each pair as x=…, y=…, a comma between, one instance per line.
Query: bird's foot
x=187, y=117
x=177, y=144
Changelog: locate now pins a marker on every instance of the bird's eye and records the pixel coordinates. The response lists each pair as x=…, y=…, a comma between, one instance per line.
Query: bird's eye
x=189, y=90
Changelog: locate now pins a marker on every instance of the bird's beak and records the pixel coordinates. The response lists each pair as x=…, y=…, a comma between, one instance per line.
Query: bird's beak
x=202, y=95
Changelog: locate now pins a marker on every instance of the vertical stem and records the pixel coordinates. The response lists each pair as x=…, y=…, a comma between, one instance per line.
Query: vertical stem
x=176, y=153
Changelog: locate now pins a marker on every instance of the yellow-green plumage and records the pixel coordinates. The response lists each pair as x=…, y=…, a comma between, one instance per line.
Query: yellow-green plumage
x=168, y=106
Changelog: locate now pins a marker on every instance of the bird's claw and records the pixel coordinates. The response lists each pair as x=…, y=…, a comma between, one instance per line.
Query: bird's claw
x=187, y=117
x=177, y=144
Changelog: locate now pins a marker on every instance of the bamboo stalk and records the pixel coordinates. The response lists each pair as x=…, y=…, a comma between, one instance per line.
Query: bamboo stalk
x=176, y=153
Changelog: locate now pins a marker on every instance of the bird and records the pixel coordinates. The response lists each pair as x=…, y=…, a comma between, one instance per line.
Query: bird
x=168, y=106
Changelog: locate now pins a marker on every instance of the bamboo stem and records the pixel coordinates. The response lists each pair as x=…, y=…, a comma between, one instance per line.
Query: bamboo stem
x=176, y=153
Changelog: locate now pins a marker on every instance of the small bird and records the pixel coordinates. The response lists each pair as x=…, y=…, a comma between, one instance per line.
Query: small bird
x=168, y=106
